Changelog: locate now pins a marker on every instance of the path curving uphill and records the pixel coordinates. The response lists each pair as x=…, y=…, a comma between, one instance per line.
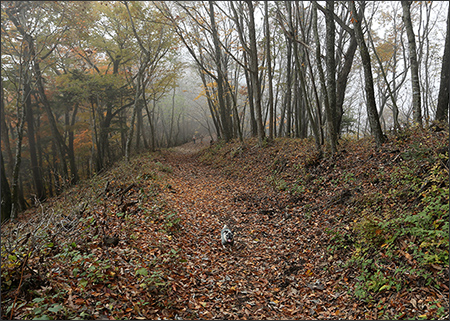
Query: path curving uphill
x=277, y=268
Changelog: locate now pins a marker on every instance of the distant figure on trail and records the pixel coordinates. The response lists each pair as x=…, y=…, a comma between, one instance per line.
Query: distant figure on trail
x=193, y=138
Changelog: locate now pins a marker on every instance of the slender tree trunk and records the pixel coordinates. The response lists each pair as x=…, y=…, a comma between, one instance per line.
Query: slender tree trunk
x=415, y=83
x=96, y=156
x=71, y=148
x=224, y=113
x=319, y=63
x=37, y=71
x=315, y=121
x=388, y=87
x=341, y=83
x=37, y=174
x=323, y=84
x=331, y=75
x=139, y=127
x=251, y=104
x=232, y=94
x=295, y=127
x=59, y=142
x=60, y=145
x=215, y=117
x=286, y=113
x=5, y=133
x=444, y=89
x=18, y=159
x=172, y=116
x=372, y=112
x=269, y=70
x=135, y=108
x=6, y=193
x=151, y=124
x=254, y=72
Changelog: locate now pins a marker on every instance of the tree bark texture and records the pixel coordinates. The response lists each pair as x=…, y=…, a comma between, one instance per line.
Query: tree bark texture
x=331, y=74
x=415, y=84
x=444, y=89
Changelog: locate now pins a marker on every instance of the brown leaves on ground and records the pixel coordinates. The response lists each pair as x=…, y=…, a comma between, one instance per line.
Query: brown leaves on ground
x=288, y=209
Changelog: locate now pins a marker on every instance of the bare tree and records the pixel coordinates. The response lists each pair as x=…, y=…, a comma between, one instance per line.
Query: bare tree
x=372, y=112
x=269, y=69
x=415, y=83
x=331, y=74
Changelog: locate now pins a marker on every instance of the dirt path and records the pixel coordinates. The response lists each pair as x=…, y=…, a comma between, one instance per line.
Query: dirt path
x=274, y=271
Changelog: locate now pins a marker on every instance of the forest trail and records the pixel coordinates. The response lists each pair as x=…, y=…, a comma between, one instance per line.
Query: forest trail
x=275, y=269
x=300, y=252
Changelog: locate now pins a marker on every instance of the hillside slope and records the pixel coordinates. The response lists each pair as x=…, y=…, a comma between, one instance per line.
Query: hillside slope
x=363, y=235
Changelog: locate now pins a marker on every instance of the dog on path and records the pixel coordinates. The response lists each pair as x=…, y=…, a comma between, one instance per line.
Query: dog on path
x=226, y=236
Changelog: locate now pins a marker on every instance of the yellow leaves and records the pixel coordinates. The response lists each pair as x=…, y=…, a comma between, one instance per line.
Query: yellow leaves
x=201, y=94
x=212, y=84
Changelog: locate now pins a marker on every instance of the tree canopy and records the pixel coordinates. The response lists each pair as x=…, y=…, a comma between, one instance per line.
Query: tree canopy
x=87, y=83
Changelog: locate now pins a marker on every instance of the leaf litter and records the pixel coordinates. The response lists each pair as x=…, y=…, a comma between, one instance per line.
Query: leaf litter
x=147, y=244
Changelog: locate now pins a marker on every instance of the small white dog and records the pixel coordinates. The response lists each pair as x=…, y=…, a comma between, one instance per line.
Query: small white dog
x=226, y=236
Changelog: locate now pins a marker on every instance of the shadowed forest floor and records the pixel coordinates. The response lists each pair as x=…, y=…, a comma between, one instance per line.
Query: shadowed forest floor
x=315, y=238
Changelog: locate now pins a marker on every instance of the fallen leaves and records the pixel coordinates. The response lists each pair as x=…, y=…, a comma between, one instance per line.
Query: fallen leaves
x=166, y=260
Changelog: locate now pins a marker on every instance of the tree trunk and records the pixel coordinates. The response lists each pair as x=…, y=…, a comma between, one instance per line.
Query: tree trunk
x=215, y=117
x=341, y=83
x=18, y=158
x=388, y=86
x=6, y=194
x=139, y=127
x=254, y=72
x=286, y=113
x=331, y=75
x=444, y=89
x=251, y=104
x=151, y=124
x=59, y=142
x=37, y=175
x=37, y=71
x=71, y=149
x=135, y=108
x=224, y=113
x=269, y=69
x=415, y=84
x=372, y=112
x=315, y=121
x=319, y=63
x=5, y=133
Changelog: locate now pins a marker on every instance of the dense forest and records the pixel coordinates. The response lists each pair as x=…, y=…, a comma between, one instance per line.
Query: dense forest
x=225, y=160
x=86, y=83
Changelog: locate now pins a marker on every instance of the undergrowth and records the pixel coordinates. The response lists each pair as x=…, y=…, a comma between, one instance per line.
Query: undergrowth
x=386, y=211
x=393, y=229
x=56, y=262
x=402, y=238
